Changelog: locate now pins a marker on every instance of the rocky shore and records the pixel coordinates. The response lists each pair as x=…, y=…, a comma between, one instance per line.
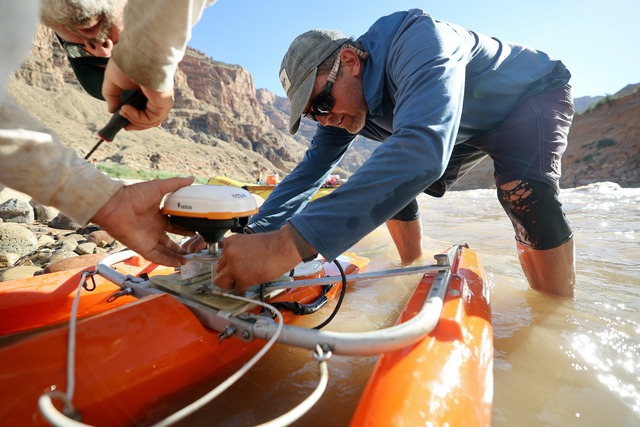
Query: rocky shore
x=36, y=239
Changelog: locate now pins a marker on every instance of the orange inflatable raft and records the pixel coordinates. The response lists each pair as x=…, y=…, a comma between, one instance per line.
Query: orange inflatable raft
x=140, y=339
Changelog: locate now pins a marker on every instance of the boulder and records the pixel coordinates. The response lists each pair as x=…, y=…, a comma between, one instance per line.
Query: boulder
x=101, y=238
x=16, y=210
x=81, y=261
x=43, y=214
x=16, y=239
x=20, y=272
x=63, y=222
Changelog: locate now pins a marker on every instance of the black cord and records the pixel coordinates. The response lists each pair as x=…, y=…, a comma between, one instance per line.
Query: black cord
x=342, y=294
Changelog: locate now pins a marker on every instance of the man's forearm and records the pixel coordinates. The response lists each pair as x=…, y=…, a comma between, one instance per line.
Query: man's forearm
x=155, y=38
x=34, y=162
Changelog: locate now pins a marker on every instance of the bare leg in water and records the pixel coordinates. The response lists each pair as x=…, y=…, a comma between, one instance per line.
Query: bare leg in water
x=407, y=236
x=549, y=270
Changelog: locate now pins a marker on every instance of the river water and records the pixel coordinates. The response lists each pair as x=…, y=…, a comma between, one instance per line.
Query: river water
x=557, y=362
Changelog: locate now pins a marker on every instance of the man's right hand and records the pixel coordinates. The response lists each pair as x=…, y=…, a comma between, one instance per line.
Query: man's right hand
x=159, y=103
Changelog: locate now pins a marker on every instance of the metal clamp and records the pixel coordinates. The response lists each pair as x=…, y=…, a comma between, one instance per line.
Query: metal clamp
x=122, y=292
x=442, y=260
x=228, y=332
x=322, y=353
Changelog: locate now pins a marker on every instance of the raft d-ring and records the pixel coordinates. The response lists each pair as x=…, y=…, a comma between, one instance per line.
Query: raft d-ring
x=122, y=292
x=322, y=354
x=89, y=274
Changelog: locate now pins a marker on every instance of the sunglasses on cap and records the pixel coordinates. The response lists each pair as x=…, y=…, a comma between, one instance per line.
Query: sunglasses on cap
x=324, y=102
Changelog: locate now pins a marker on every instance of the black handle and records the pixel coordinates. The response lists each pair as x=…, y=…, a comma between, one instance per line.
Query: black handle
x=117, y=122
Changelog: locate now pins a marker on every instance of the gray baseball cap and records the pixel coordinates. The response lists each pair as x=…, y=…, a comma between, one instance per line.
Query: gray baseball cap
x=300, y=66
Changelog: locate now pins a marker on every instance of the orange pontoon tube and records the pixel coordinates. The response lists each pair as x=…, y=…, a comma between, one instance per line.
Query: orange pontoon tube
x=447, y=377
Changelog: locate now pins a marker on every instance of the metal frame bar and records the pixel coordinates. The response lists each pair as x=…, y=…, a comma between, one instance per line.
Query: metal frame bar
x=248, y=326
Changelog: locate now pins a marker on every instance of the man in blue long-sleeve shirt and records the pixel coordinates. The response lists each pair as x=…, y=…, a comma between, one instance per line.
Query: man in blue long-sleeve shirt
x=441, y=98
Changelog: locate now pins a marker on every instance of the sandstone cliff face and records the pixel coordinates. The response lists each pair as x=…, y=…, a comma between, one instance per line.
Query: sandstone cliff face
x=604, y=144
x=218, y=101
x=217, y=125
x=46, y=67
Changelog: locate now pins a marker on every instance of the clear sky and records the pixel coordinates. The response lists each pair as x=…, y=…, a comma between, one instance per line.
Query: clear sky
x=599, y=40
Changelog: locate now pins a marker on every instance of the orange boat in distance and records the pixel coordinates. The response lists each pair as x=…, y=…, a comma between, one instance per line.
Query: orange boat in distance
x=263, y=190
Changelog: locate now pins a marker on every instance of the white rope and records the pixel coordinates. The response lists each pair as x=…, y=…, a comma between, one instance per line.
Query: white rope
x=58, y=419
x=49, y=411
x=71, y=352
x=312, y=399
x=207, y=398
x=62, y=419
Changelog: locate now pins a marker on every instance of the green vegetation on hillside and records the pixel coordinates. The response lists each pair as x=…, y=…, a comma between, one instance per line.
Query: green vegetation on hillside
x=606, y=100
x=609, y=98
x=124, y=172
x=607, y=142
